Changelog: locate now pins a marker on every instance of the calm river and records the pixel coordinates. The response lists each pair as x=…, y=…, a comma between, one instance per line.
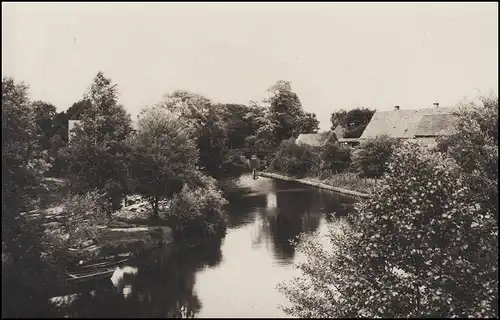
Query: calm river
x=233, y=278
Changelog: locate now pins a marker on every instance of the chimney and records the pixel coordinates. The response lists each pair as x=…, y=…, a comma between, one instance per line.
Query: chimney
x=436, y=104
x=396, y=108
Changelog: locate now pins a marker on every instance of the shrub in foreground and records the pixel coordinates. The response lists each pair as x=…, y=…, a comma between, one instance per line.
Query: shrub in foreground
x=421, y=247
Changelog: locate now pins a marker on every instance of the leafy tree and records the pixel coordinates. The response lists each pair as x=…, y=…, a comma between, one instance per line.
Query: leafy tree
x=23, y=166
x=295, y=160
x=198, y=210
x=421, y=247
x=338, y=118
x=353, y=121
x=285, y=109
x=263, y=141
x=474, y=145
x=208, y=124
x=335, y=158
x=309, y=123
x=163, y=156
x=371, y=158
x=97, y=154
x=44, y=117
x=356, y=122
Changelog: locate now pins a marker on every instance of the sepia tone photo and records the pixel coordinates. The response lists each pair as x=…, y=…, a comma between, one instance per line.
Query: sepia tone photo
x=250, y=160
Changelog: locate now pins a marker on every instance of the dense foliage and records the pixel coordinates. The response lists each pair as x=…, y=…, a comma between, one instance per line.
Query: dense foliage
x=425, y=245
x=97, y=153
x=372, y=157
x=353, y=122
x=163, y=156
x=198, y=209
x=23, y=267
x=335, y=158
x=295, y=160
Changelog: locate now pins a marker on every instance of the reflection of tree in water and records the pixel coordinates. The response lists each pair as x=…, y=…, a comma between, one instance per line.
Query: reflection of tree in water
x=299, y=212
x=163, y=287
x=241, y=210
x=291, y=219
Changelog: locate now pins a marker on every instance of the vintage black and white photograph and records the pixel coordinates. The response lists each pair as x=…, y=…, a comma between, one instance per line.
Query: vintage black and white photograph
x=249, y=159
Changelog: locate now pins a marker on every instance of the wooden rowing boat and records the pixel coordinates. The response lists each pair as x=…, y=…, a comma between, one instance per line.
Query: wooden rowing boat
x=94, y=271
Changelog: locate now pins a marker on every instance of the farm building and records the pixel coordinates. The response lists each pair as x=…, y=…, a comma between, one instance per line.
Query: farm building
x=421, y=125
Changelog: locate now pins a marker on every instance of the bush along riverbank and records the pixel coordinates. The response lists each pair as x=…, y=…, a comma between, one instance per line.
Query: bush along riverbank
x=336, y=167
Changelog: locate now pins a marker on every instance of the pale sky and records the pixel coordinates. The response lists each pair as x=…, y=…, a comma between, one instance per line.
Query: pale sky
x=336, y=55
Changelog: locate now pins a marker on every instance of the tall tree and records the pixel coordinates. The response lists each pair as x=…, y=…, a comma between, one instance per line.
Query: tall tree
x=207, y=121
x=286, y=109
x=163, y=156
x=98, y=151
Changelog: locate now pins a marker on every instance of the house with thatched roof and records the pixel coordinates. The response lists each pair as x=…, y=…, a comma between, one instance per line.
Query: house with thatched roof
x=422, y=125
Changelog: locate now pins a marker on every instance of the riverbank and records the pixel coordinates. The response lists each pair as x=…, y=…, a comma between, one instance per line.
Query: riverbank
x=97, y=242
x=317, y=183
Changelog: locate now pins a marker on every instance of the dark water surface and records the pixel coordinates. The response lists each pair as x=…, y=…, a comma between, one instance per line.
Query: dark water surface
x=235, y=277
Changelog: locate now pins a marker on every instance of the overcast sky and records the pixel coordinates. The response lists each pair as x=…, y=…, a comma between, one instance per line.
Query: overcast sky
x=336, y=55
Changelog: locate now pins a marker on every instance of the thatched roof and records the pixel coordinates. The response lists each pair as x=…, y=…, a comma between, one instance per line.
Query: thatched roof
x=339, y=131
x=312, y=139
x=436, y=125
x=404, y=123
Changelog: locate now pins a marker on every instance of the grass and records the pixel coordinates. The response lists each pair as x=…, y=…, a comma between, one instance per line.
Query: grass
x=350, y=181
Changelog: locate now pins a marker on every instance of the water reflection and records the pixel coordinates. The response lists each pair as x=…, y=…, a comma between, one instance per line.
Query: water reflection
x=161, y=285
x=234, y=277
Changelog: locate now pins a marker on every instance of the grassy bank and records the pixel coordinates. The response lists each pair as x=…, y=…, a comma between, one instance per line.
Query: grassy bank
x=343, y=183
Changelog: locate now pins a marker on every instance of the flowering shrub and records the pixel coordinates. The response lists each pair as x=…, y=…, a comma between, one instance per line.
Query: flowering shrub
x=420, y=247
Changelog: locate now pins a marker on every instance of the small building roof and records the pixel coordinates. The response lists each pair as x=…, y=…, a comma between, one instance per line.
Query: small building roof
x=312, y=139
x=339, y=131
x=404, y=123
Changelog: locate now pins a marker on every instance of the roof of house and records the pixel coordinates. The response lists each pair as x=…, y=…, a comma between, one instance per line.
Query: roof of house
x=436, y=125
x=312, y=139
x=339, y=131
x=404, y=123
